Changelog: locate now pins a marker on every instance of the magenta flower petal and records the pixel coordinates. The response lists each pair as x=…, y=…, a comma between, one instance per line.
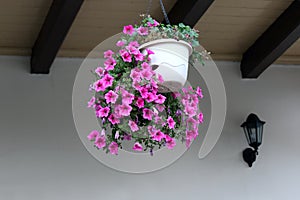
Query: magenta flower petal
x=113, y=148
x=93, y=135
x=137, y=147
x=111, y=97
x=171, y=122
x=133, y=126
x=128, y=30
x=100, y=142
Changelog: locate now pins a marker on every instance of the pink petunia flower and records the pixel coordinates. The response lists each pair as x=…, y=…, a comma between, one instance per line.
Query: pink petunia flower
x=127, y=97
x=100, y=142
x=133, y=126
x=199, y=92
x=137, y=147
x=113, y=148
x=91, y=102
x=128, y=30
x=171, y=122
x=142, y=30
x=132, y=50
x=160, y=99
x=108, y=80
x=126, y=56
x=160, y=78
x=135, y=75
x=150, y=97
x=103, y=112
x=145, y=65
x=93, y=135
x=170, y=142
x=139, y=57
x=154, y=23
x=125, y=109
x=140, y=103
x=99, y=86
x=160, y=108
x=111, y=97
x=191, y=122
x=149, y=52
x=108, y=54
x=136, y=85
x=188, y=143
x=120, y=43
x=158, y=136
x=190, y=111
x=99, y=71
x=200, y=117
x=110, y=64
x=191, y=134
x=146, y=73
x=144, y=92
x=113, y=119
x=147, y=114
x=134, y=44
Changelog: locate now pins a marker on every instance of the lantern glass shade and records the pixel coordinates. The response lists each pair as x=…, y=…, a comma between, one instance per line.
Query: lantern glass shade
x=253, y=129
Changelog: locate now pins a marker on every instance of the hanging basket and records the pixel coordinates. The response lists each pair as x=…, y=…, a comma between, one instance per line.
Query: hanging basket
x=171, y=60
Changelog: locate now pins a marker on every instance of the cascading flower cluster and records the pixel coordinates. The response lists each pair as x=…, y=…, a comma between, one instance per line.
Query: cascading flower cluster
x=129, y=105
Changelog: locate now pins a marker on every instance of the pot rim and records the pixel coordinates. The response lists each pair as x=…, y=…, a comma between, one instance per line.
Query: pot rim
x=167, y=40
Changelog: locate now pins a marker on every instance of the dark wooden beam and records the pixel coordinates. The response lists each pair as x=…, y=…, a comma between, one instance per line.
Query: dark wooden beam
x=54, y=30
x=188, y=11
x=272, y=43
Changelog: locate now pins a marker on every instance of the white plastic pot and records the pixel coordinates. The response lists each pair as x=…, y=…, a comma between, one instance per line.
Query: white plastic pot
x=171, y=60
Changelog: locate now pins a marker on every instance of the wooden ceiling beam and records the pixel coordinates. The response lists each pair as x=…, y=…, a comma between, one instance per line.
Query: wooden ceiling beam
x=272, y=43
x=188, y=12
x=54, y=30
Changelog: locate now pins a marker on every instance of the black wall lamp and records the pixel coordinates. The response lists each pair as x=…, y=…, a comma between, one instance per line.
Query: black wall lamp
x=253, y=128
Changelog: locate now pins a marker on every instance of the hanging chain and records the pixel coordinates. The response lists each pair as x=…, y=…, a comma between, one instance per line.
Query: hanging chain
x=164, y=11
x=149, y=7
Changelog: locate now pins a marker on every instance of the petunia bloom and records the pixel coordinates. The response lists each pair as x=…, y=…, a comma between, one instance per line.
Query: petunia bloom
x=126, y=56
x=127, y=97
x=200, y=117
x=111, y=97
x=171, y=122
x=113, y=148
x=133, y=126
x=108, y=54
x=113, y=119
x=170, y=142
x=120, y=43
x=99, y=71
x=125, y=110
x=154, y=23
x=140, y=103
x=103, y=112
x=160, y=99
x=158, y=136
x=128, y=30
x=110, y=64
x=108, y=80
x=99, y=86
x=199, y=92
x=147, y=114
x=139, y=57
x=100, y=142
x=135, y=75
x=137, y=147
x=93, y=135
x=91, y=102
x=142, y=30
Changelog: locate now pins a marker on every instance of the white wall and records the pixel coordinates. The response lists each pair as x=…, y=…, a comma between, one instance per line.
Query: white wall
x=41, y=156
